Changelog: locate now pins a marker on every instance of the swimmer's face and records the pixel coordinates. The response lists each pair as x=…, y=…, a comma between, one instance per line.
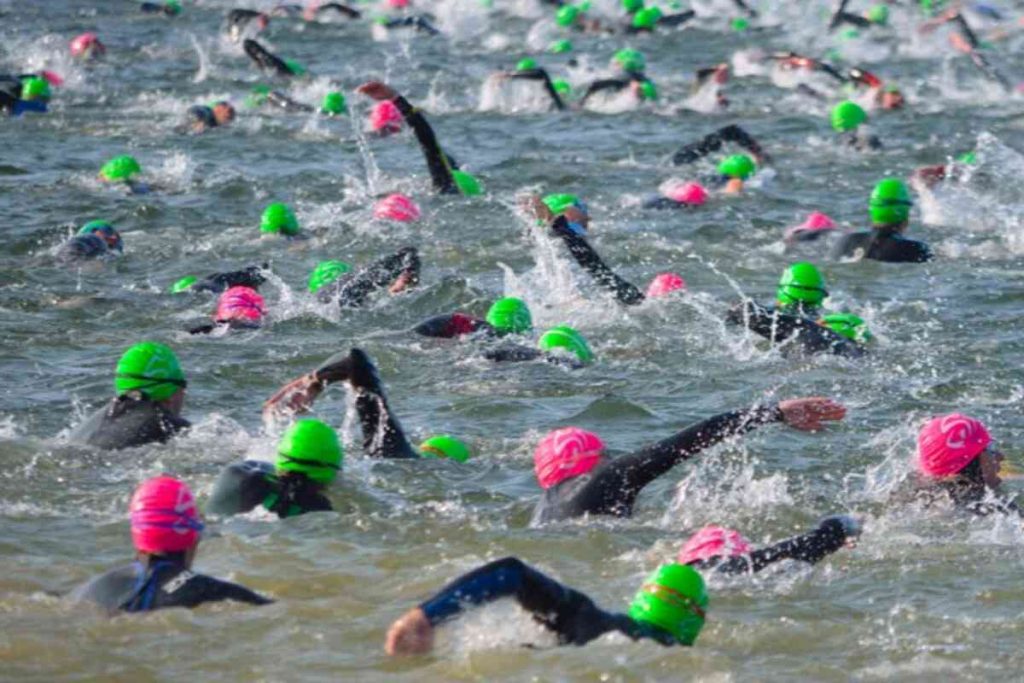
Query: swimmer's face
x=990, y=460
x=223, y=113
x=734, y=186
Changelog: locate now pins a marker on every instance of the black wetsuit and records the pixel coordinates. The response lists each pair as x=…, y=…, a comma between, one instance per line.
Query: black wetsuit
x=589, y=260
x=215, y=283
x=353, y=289
x=127, y=421
x=246, y=485
x=614, y=84
x=10, y=97
x=419, y=22
x=157, y=8
x=880, y=244
x=860, y=141
x=202, y=115
x=542, y=76
x=454, y=325
x=967, y=491
x=568, y=613
x=282, y=101
x=780, y=327
x=238, y=20
x=813, y=547
x=667, y=20
x=694, y=151
x=234, y=325
x=164, y=582
x=265, y=60
x=81, y=247
x=438, y=162
x=518, y=353
x=611, y=488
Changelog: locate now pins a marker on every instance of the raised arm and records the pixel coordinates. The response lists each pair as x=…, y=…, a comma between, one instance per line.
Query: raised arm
x=832, y=534
x=590, y=261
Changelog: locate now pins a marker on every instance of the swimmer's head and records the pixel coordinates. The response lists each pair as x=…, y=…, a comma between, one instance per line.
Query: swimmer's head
x=673, y=599
x=949, y=443
x=334, y=104
x=737, y=166
x=890, y=203
x=878, y=14
x=739, y=24
x=467, y=183
x=396, y=207
x=815, y=225
x=151, y=369
x=397, y=4
x=647, y=90
x=564, y=339
x=847, y=325
x=664, y=284
x=87, y=46
x=104, y=231
x=560, y=47
x=526, y=63
x=184, y=284
x=631, y=61
x=510, y=315
x=120, y=169
x=562, y=87
x=892, y=98
x=847, y=116
x=310, y=448
x=385, y=118
x=325, y=273
x=278, y=218
x=713, y=541
x=35, y=88
x=445, y=446
x=801, y=284
x=172, y=7
x=566, y=453
x=164, y=517
x=647, y=18
x=240, y=304
x=567, y=15
x=689, y=193
x=223, y=112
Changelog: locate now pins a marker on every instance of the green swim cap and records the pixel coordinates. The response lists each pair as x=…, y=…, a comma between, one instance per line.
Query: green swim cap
x=559, y=202
x=878, y=14
x=969, y=158
x=890, y=202
x=172, y=6
x=567, y=15
x=526, y=63
x=560, y=47
x=120, y=168
x=739, y=24
x=847, y=115
x=150, y=368
x=630, y=61
x=278, y=217
x=445, y=446
x=565, y=337
x=848, y=325
x=92, y=225
x=184, y=284
x=801, y=283
x=325, y=273
x=674, y=599
x=562, y=87
x=35, y=88
x=257, y=97
x=510, y=315
x=295, y=67
x=632, y=6
x=334, y=104
x=648, y=91
x=646, y=18
x=737, y=166
x=468, y=185
x=310, y=447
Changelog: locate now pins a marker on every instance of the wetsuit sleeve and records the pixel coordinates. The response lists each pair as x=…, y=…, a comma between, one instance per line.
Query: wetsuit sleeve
x=216, y=283
x=241, y=487
x=513, y=354
x=603, y=84
x=279, y=99
x=437, y=163
x=540, y=75
x=338, y=7
x=418, y=22
x=780, y=327
x=589, y=260
x=198, y=589
x=811, y=548
x=677, y=19
x=453, y=325
x=356, y=289
x=713, y=142
x=264, y=59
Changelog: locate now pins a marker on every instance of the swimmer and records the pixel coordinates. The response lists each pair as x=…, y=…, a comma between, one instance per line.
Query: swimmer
x=333, y=103
x=848, y=120
x=885, y=96
x=170, y=8
x=95, y=239
x=122, y=170
x=278, y=220
x=578, y=479
x=202, y=118
x=561, y=345
x=876, y=15
x=166, y=529
x=890, y=214
x=270, y=63
x=87, y=47
x=814, y=227
x=21, y=94
x=572, y=235
x=242, y=22
x=677, y=194
x=669, y=608
x=239, y=308
x=420, y=22
x=215, y=283
x=545, y=209
x=334, y=281
x=630, y=65
x=527, y=70
x=927, y=177
x=694, y=151
x=508, y=315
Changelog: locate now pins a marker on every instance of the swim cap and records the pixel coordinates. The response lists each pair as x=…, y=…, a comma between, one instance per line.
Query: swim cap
x=150, y=368
x=848, y=325
x=334, y=104
x=560, y=46
x=739, y=24
x=445, y=446
x=565, y=337
x=184, y=284
x=325, y=273
x=630, y=61
x=398, y=4
x=559, y=202
x=396, y=207
x=278, y=217
x=566, y=453
x=243, y=304
x=385, y=117
x=664, y=284
x=526, y=63
x=713, y=541
x=562, y=87
x=691, y=194
x=847, y=115
x=632, y=6
x=310, y=447
x=816, y=222
x=257, y=96
x=648, y=91
x=164, y=518
x=878, y=14
x=890, y=202
x=468, y=185
x=969, y=158
x=120, y=168
x=801, y=283
x=86, y=44
x=646, y=18
x=35, y=88
x=737, y=166
x=294, y=67
x=510, y=315
x=949, y=443
x=567, y=15
x=674, y=599
x=105, y=230
x=172, y=7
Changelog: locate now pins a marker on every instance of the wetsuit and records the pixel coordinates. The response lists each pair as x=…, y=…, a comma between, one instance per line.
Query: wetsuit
x=81, y=247
x=157, y=8
x=539, y=75
x=353, y=289
x=215, y=283
x=780, y=327
x=615, y=84
x=202, y=116
x=881, y=244
x=690, y=153
x=265, y=60
x=454, y=325
x=233, y=325
x=862, y=142
x=589, y=260
x=10, y=98
x=517, y=353
x=163, y=582
x=127, y=421
x=238, y=20
x=419, y=22
x=438, y=163
x=813, y=547
x=246, y=485
x=968, y=492
x=612, y=486
x=668, y=20
x=571, y=615
x=282, y=101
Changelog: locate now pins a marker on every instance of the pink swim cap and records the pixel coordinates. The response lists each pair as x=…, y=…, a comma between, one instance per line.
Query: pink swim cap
x=396, y=207
x=164, y=517
x=385, y=117
x=566, y=453
x=81, y=44
x=713, y=541
x=816, y=222
x=398, y=4
x=239, y=303
x=52, y=77
x=692, y=194
x=664, y=284
x=949, y=443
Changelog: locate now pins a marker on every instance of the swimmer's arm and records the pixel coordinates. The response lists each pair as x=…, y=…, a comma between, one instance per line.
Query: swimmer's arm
x=515, y=354
x=399, y=270
x=281, y=100
x=734, y=133
x=831, y=535
x=264, y=59
x=213, y=590
x=603, y=84
x=452, y=325
x=344, y=9
x=589, y=260
x=539, y=75
x=677, y=19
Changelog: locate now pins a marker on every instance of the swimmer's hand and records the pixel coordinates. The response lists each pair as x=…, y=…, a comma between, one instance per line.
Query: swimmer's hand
x=411, y=634
x=807, y=414
x=295, y=397
x=377, y=91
